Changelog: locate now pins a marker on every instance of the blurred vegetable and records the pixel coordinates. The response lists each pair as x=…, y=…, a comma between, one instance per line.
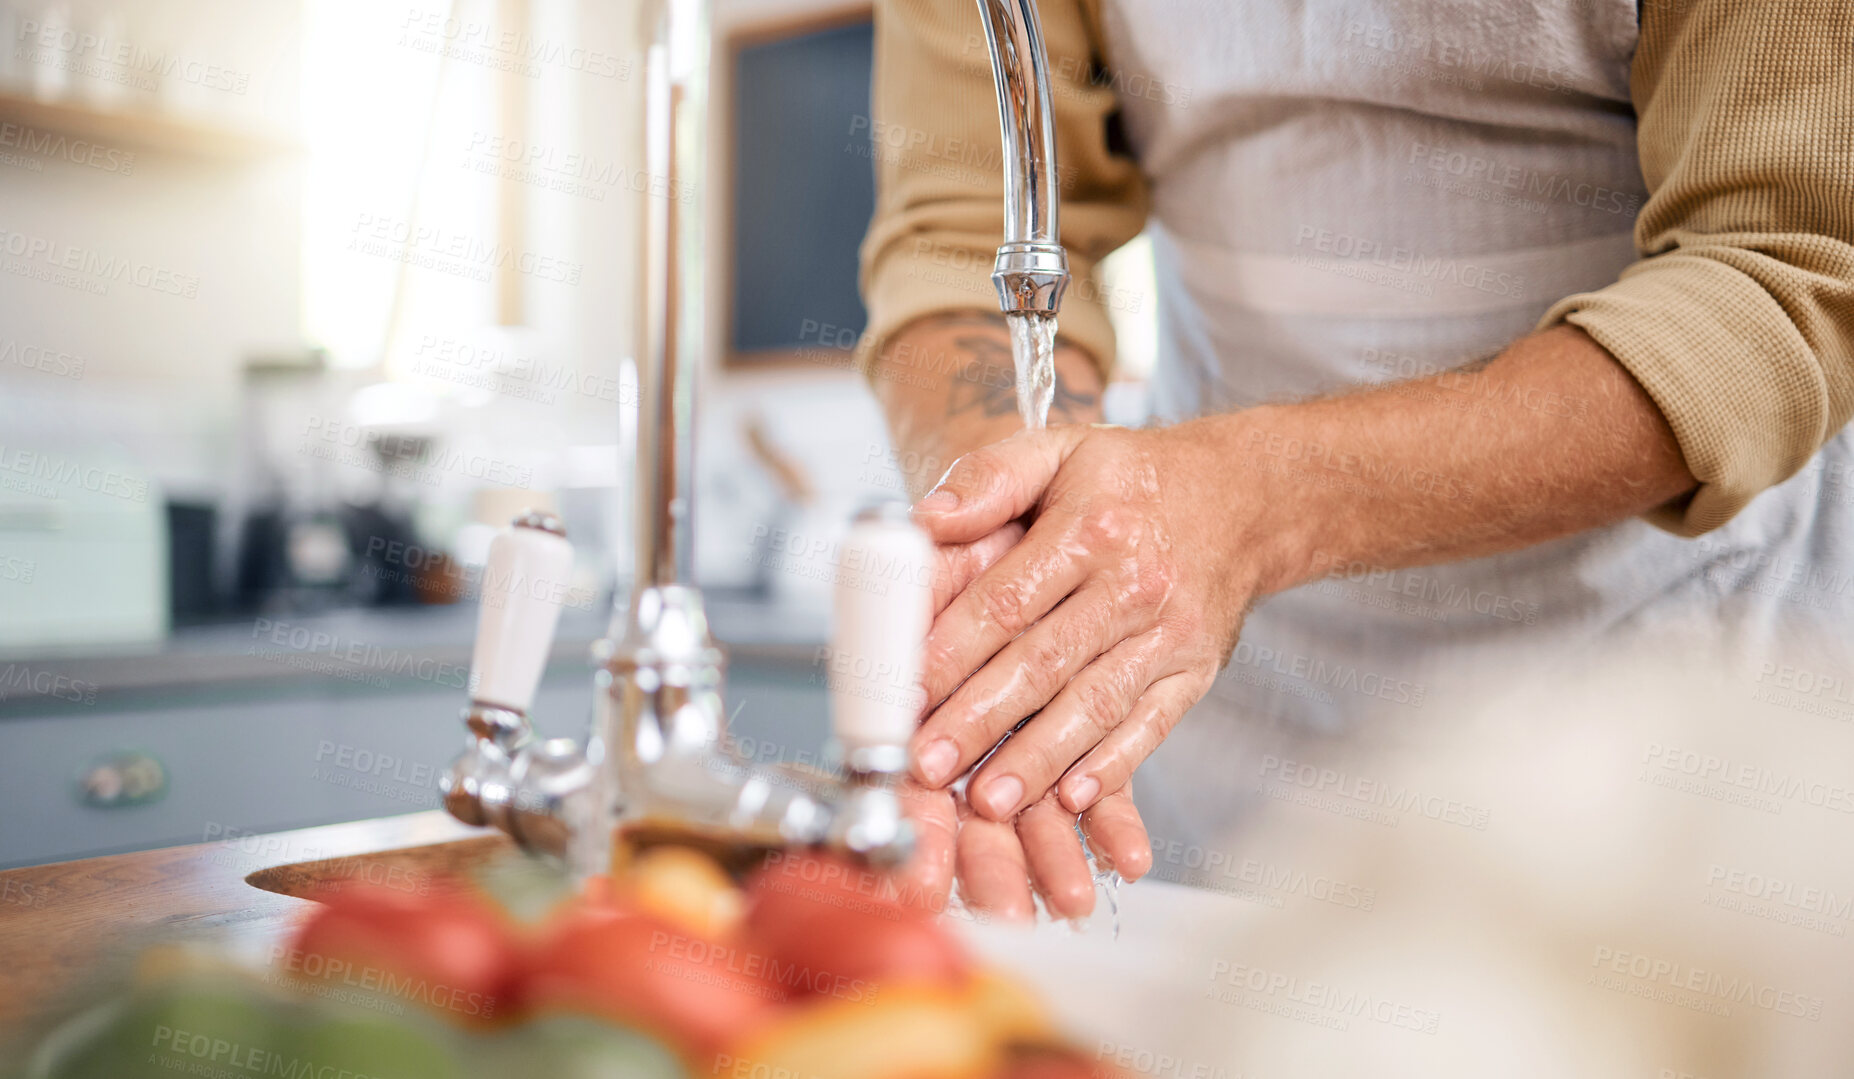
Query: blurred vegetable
x=573, y=1047
x=817, y=971
x=451, y=951
x=179, y=1022
x=1010, y=1009
x=350, y=1043
x=840, y=923
x=687, y=888
x=910, y=1032
x=637, y=968
x=222, y=1024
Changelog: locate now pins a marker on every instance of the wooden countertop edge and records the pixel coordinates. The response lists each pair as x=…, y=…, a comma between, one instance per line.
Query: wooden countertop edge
x=64, y=922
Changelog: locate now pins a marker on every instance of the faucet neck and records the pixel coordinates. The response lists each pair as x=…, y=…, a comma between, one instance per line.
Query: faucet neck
x=1032, y=270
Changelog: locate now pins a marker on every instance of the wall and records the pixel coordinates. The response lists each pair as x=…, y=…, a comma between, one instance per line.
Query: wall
x=183, y=265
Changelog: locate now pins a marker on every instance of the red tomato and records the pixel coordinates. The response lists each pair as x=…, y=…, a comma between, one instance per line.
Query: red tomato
x=833, y=927
x=450, y=951
x=639, y=969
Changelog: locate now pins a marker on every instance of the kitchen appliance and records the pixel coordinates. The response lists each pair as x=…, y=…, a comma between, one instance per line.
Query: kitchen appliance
x=83, y=550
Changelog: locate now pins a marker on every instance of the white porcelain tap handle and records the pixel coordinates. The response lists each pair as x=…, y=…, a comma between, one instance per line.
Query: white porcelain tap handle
x=884, y=607
x=525, y=583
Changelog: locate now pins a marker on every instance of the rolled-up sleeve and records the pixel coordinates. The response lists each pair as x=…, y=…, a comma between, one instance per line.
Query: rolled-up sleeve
x=1738, y=319
x=939, y=213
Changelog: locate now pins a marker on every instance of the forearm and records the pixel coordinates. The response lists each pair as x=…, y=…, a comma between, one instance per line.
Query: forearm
x=1550, y=438
x=946, y=385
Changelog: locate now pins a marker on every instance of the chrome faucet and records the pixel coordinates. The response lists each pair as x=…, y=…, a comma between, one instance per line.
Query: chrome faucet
x=659, y=757
x=1031, y=271
x=658, y=754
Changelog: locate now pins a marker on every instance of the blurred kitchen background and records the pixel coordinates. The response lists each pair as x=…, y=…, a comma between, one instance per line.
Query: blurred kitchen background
x=303, y=299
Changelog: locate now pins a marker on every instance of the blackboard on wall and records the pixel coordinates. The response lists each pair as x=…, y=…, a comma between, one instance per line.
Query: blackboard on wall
x=803, y=187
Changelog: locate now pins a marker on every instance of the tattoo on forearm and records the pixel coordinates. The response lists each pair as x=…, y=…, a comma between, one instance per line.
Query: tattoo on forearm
x=986, y=383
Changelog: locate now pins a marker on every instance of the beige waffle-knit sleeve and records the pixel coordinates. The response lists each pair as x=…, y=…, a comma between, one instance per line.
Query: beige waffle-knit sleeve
x=939, y=213
x=1739, y=318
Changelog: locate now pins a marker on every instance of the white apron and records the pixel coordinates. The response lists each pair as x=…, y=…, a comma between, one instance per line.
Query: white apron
x=1359, y=191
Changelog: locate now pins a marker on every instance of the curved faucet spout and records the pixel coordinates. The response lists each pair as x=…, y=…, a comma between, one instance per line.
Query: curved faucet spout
x=1031, y=271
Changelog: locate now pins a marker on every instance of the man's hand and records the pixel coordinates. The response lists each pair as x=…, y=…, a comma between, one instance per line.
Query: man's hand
x=998, y=863
x=946, y=385
x=1114, y=612
x=1104, y=624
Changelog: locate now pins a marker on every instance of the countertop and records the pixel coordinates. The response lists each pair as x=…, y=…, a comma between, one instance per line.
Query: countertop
x=370, y=644
x=67, y=921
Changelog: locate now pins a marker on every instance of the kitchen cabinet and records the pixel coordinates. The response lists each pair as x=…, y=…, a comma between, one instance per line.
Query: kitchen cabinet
x=252, y=745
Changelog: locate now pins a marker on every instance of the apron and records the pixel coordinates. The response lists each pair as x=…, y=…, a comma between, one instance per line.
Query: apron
x=1349, y=192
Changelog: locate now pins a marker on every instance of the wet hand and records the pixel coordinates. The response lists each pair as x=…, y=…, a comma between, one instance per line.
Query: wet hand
x=999, y=864
x=1100, y=627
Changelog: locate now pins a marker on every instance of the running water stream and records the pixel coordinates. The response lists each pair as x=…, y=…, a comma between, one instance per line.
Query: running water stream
x=1033, y=354
x=1107, y=882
